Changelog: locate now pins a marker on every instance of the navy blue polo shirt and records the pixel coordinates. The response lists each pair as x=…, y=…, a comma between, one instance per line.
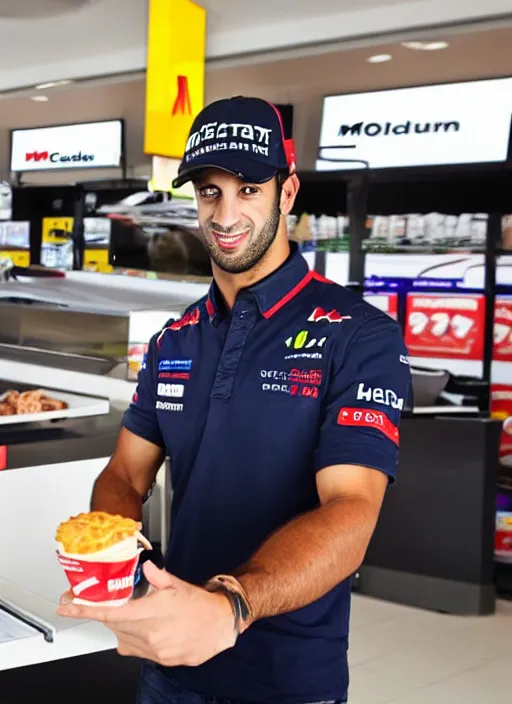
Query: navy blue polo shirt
x=250, y=404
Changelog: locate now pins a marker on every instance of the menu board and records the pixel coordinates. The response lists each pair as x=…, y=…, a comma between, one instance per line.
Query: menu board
x=450, y=326
x=57, y=243
x=15, y=242
x=503, y=330
x=501, y=408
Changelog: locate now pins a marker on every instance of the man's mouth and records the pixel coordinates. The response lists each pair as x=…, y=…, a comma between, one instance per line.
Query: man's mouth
x=230, y=241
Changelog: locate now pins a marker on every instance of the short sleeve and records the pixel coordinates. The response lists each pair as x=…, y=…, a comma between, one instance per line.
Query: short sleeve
x=369, y=385
x=141, y=418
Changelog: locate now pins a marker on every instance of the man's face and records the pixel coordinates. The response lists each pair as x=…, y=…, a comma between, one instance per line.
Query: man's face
x=239, y=220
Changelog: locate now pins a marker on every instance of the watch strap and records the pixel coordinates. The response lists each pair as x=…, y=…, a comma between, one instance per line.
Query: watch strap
x=237, y=596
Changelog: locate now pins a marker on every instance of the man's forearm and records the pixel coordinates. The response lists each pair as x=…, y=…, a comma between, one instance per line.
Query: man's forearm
x=307, y=557
x=115, y=495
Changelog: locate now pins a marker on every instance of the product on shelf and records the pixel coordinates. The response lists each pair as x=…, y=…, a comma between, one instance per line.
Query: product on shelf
x=21, y=403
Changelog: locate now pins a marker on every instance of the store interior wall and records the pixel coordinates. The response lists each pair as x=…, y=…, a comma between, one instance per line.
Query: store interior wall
x=99, y=100
x=305, y=81
x=300, y=81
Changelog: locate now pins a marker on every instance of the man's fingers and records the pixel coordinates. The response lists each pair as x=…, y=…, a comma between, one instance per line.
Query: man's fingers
x=137, y=610
x=132, y=612
x=89, y=613
x=130, y=646
x=137, y=630
x=66, y=598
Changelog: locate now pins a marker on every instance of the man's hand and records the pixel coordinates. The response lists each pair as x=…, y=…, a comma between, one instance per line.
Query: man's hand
x=177, y=624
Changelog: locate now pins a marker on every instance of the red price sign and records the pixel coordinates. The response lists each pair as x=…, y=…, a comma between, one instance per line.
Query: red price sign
x=503, y=330
x=501, y=408
x=445, y=326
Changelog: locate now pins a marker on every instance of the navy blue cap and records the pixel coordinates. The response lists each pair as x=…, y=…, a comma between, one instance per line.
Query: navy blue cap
x=243, y=136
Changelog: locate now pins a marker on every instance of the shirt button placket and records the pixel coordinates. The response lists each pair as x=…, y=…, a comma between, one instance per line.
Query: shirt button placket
x=242, y=322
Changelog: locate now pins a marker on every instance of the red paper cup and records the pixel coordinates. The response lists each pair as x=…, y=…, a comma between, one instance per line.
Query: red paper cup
x=100, y=583
x=104, y=578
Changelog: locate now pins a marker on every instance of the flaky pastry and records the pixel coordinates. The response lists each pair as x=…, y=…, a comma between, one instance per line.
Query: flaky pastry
x=96, y=531
x=33, y=401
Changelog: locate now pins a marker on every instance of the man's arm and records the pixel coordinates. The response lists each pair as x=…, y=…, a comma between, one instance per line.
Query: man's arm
x=139, y=452
x=316, y=551
x=356, y=458
x=128, y=476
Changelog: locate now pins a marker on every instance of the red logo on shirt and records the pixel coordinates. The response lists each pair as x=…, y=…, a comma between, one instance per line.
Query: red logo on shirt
x=191, y=318
x=306, y=376
x=369, y=419
x=332, y=316
x=174, y=375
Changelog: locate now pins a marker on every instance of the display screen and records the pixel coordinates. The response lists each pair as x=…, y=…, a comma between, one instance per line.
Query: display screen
x=86, y=145
x=15, y=235
x=15, y=242
x=456, y=123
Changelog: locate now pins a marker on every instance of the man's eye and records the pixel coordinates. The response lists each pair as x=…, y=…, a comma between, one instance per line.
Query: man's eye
x=209, y=192
x=249, y=190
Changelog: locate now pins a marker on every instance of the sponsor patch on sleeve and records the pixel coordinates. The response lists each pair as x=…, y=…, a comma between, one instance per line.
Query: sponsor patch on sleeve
x=357, y=417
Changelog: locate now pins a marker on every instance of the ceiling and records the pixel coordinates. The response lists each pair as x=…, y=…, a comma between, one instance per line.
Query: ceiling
x=303, y=82
x=64, y=39
x=28, y=9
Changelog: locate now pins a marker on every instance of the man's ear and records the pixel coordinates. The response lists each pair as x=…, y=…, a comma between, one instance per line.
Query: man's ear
x=289, y=191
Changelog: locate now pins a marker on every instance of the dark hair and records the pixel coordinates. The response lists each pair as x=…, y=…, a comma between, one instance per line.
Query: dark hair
x=281, y=177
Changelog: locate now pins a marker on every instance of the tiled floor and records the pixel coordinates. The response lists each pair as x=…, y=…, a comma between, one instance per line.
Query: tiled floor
x=400, y=655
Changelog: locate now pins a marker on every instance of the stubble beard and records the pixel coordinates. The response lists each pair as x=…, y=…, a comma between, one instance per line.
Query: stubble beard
x=257, y=247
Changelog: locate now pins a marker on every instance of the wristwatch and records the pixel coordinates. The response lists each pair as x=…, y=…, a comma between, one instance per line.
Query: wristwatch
x=233, y=590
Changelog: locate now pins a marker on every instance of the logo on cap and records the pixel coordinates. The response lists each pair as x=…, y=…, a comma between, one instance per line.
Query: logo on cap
x=243, y=136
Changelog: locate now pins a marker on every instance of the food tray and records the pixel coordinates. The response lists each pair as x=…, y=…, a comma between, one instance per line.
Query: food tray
x=78, y=407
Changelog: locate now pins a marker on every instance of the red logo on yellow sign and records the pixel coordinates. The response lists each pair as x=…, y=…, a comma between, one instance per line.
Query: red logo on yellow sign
x=175, y=74
x=182, y=105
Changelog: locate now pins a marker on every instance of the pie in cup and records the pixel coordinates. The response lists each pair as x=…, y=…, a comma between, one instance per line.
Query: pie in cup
x=100, y=552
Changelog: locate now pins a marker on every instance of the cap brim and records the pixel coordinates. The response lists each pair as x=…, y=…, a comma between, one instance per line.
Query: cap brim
x=249, y=170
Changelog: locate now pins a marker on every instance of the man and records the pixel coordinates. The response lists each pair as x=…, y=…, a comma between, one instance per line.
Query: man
x=277, y=398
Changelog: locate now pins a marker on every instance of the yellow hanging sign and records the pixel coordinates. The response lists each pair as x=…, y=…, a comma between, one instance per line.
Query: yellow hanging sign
x=175, y=74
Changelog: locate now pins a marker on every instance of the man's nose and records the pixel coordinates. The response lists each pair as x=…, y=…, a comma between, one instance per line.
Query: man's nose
x=227, y=212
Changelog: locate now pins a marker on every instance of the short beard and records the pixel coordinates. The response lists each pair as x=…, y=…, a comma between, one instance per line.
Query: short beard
x=257, y=248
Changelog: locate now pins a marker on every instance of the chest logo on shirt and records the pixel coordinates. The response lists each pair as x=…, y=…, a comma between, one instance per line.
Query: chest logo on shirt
x=320, y=315
x=298, y=382
x=302, y=340
x=174, y=365
x=167, y=406
x=191, y=318
x=170, y=390
x=356, y=417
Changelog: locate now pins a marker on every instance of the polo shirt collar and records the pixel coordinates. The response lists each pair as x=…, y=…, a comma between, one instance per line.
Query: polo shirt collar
x=271, y=293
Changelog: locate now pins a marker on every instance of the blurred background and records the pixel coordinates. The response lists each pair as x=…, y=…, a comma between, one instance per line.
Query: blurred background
x=400, y=112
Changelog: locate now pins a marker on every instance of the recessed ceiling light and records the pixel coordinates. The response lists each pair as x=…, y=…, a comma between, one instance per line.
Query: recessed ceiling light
x=425, y=46
x=379, y=58
x=53, y=84
x=40, y=98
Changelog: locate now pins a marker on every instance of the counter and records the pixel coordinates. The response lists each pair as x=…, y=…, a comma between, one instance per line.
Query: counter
x=434, y=544
x=51, y=469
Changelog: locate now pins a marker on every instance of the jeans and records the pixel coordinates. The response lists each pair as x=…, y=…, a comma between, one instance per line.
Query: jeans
x=156, y=688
